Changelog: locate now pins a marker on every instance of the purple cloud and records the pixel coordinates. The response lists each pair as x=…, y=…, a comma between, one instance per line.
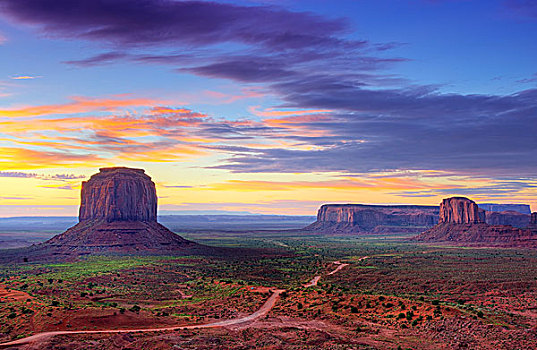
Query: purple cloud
x=60, y=177
x=157, y=22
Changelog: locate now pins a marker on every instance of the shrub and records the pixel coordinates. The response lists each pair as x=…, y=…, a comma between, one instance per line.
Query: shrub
x=135, y=308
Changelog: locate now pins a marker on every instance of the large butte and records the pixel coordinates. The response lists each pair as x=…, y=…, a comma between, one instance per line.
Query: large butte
x=118, y=213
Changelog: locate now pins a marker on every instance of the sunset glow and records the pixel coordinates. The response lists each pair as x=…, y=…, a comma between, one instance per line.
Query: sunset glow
x=328, y=106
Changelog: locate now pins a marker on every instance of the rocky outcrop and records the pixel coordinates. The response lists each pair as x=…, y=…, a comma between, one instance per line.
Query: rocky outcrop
x=360, y=218
x=510, y=218
x=520, y=208
x=119, y=194
x=118, y=213
x=462, y=222
x=533, y=222
x=460, y=210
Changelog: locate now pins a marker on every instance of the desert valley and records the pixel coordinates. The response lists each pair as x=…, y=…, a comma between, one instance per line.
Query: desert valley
x=268, y=174
x=360, y=277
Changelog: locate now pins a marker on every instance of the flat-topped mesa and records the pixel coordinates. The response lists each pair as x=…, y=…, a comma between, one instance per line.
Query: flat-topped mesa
x=362, y=218
x=460, y=210
x=119, y=194
x=497, y=207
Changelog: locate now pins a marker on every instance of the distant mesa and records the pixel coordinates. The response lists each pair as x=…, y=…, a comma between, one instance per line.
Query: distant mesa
x=376, y=219
x=494, y=207
x=361, y=218
x=510, y=218
x=461, y=221
x=118, y=214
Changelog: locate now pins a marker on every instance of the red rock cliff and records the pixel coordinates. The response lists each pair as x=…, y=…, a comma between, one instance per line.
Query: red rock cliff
x=510, y=218
x=533, y=220
x=460, y=210
x=119, y=194
x=355, y=218
x=462, y=222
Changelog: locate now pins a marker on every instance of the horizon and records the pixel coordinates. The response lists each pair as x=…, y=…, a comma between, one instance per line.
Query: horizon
x=276, y=107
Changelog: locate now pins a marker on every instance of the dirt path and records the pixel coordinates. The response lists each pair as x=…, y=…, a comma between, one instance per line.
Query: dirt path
x=265, y=308
x=337, y=268
x=313, y=282
x=317, y=278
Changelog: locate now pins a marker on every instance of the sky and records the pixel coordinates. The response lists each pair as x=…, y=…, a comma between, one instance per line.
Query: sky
x=271, y=107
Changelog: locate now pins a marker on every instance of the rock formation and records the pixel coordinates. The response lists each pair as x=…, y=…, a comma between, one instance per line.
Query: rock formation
x=119, y=194
x=118, y=214
x=462, y=222
x=510, y=218
x=495, y=207
x=533, y=222
x=359, y=218
x=460, y=210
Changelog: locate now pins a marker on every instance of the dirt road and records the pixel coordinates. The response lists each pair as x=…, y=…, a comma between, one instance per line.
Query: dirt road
x=317, y=278
x=265, y=308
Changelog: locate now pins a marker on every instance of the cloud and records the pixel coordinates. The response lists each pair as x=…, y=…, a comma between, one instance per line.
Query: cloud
x=522, y=8
x=62, y=187
x=532, y=79
x=25, y=77
x=21, y=158
x=151, y=23
x=79, y=105
x=3, y=39
x=20, y=174
x=370, y=121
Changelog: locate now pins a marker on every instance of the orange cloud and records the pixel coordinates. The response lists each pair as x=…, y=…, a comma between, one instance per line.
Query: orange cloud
x=79, y=105
x=372, y=184
x=20, y=158
x=25, y=77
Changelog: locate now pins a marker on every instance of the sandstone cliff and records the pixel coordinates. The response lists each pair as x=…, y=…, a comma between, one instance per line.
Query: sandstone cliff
x=119, y=194
x=510, y=218
x=497, y=207
x=118, y=213
x=460, y=210
x=462, y=222
x=359, y=218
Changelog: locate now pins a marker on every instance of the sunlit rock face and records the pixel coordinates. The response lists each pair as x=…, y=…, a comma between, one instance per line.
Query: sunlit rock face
x=361, y=218
x=460, y=210
x=118, y=213
x=119, y=194
x=461, y=221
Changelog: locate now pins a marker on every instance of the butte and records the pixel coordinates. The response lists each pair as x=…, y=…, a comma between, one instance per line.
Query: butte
x=118, y=215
